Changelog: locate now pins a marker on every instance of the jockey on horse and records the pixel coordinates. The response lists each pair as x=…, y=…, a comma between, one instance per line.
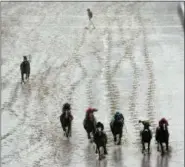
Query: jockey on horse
x=66, y=118
x=100, y=138
x=162, y=134
x=163, y=121
x=116, y=126
x=146, y=135
x=90, y=121
x=90, y=114
x=67, y=108
x=117, y=117
x=146, y=125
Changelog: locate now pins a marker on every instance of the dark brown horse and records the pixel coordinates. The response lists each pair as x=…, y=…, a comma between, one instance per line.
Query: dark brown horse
x=162, y=136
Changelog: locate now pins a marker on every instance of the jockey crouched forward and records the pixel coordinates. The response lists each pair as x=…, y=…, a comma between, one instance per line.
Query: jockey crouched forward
x=67, y=108
x=146, y=125
x=89, y=116
x=100, y=133
x=163, y=121
x=117, y=117
x=66, y=112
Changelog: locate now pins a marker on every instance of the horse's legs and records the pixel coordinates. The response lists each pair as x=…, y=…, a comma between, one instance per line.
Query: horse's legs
x=96, y=149
x=88, y=135
x=157, y=145
x=143, y=146
x=120, y=136
x=63, y=127
x=167, y=145
x=27, y=76
x=119, y=142
x=105, y=149
x=162, y=149
x=69, y=129
x=149, y=147
x=115, y=139
x=22, y=77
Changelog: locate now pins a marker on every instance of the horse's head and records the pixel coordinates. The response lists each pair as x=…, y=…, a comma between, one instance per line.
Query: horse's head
x=99, y=130
x=163, y=127
x=67, y=114
x=91, y=116
x=119, y=122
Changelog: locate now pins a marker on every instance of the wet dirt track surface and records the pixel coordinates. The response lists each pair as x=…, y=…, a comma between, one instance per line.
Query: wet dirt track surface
x=132, y=62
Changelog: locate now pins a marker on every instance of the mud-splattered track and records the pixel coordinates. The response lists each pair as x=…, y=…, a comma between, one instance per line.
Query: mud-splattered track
x=113, y=93
x=26, y=93
x=77, y=61
x=76, y=57
x=93, y=78
x=10, y=104
x=14, y=93
x=17, y=65
x=151, y=84
x=40, y=92
x=128, y=54
x=129, y=45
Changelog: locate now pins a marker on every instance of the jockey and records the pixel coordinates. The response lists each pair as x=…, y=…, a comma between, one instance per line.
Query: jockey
x=90, y=111
x=25, y=60
x=100, y=125
x=103, y=134
x=117, y=116
x=67, y=107
x=163, y=121
x=145, y=123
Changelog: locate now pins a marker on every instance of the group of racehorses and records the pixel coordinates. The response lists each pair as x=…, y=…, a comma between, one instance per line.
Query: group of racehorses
x=96, y=133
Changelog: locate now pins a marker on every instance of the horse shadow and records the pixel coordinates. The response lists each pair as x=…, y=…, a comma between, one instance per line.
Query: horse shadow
x=118, y=157
x=146, y=161
x=162, y=161
x=92, y=158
